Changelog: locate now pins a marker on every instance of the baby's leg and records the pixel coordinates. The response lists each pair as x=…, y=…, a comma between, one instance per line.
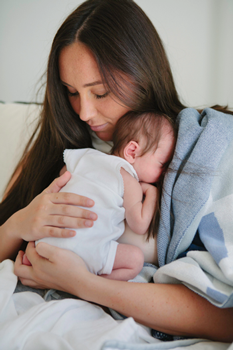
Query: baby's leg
x=128, y=263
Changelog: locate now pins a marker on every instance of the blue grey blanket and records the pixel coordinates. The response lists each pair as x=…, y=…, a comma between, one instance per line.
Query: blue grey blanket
x=198, y=198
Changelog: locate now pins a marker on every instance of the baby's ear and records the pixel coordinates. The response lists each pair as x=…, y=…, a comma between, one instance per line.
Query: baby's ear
x=131, y=151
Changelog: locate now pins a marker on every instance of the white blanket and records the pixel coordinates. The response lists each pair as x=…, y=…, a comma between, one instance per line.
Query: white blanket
x=28, y=322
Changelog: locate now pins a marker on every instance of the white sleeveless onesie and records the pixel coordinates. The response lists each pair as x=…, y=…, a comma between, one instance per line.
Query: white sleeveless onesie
x=96, y=175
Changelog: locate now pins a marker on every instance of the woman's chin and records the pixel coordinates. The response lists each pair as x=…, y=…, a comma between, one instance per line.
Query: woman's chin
x=104, y=136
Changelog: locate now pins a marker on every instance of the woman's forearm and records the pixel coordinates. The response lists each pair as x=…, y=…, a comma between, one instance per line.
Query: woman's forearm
x=173, y=309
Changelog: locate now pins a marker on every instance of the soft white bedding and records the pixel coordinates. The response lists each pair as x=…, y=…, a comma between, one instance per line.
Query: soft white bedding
x=28, y=322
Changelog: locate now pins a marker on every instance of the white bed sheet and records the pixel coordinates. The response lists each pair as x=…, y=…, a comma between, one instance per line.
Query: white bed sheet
x=28, y=322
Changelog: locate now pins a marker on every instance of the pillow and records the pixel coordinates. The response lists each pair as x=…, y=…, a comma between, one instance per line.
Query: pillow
x=17, y=122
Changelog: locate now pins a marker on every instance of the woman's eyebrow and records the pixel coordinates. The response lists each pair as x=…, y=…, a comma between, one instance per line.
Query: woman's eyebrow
x=98, y=82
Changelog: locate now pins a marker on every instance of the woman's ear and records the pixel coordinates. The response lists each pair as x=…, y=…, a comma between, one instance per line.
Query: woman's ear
x=131, y=151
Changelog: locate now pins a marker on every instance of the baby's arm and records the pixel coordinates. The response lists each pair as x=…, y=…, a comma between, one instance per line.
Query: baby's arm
x=138, y=214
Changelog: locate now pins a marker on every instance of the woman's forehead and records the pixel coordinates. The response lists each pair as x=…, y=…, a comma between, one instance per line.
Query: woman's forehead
x=77, y=61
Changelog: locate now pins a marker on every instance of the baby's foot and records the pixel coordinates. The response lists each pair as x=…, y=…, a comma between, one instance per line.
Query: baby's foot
x=26, y=261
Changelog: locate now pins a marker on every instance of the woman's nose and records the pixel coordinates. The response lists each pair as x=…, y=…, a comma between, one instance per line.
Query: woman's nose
x=87, y=109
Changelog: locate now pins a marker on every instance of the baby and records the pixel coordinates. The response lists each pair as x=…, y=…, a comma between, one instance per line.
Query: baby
x=120, y=185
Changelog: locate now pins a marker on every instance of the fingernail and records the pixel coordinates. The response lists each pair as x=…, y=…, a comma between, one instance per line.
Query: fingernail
x=72, y=233
x=90, y=202
x=92, y=216
x=88, y=223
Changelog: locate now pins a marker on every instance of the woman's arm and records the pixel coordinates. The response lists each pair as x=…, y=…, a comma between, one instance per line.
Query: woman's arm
x=172, y=309
x=47, y=215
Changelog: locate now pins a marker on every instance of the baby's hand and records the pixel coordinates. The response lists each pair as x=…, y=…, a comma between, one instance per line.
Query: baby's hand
x=149, y=191
x=145, y=187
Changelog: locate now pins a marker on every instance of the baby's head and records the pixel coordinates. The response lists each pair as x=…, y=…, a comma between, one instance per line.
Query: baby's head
x=147, y=141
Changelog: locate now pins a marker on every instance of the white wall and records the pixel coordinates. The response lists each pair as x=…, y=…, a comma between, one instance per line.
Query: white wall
x=196, y=33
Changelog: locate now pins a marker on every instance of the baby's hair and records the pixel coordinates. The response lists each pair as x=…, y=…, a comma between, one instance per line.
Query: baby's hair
x=132, y=126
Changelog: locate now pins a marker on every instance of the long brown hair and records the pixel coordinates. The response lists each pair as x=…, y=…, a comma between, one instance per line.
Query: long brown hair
x=130, y=57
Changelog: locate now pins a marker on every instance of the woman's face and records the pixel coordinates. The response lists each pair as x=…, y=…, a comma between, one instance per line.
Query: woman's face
x=88, y=96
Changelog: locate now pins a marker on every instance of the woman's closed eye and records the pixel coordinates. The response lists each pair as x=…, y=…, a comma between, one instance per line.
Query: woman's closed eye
x=97, y=96
x=103, y=95
x=72, y=93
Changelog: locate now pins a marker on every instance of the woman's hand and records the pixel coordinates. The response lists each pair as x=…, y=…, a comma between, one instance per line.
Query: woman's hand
x=50, y=213
x=51, y=267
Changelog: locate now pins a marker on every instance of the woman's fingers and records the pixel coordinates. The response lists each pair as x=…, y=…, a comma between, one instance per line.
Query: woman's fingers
x=58, y=220
x=63, y=197
x=76, y=219
x=29, y=275
x=63, y=225
x=47, y=251
x=72, y=211
x=53, y=214
x=58, y=263
x=63, y=206
x=71, y=198
x=52, y=267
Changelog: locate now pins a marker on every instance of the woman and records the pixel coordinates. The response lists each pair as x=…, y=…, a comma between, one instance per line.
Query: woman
x=106, y=59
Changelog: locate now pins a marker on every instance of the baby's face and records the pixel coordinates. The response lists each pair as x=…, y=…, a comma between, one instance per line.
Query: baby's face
x=152, y=164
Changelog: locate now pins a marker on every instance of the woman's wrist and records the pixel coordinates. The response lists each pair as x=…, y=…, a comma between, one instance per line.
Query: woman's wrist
x=99, y=290
x=87, y=286
x=11, y=228
x=81, y=285
x=10, y=242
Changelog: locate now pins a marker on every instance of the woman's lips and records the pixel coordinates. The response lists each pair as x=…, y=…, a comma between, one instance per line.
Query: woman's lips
x=98, y=127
